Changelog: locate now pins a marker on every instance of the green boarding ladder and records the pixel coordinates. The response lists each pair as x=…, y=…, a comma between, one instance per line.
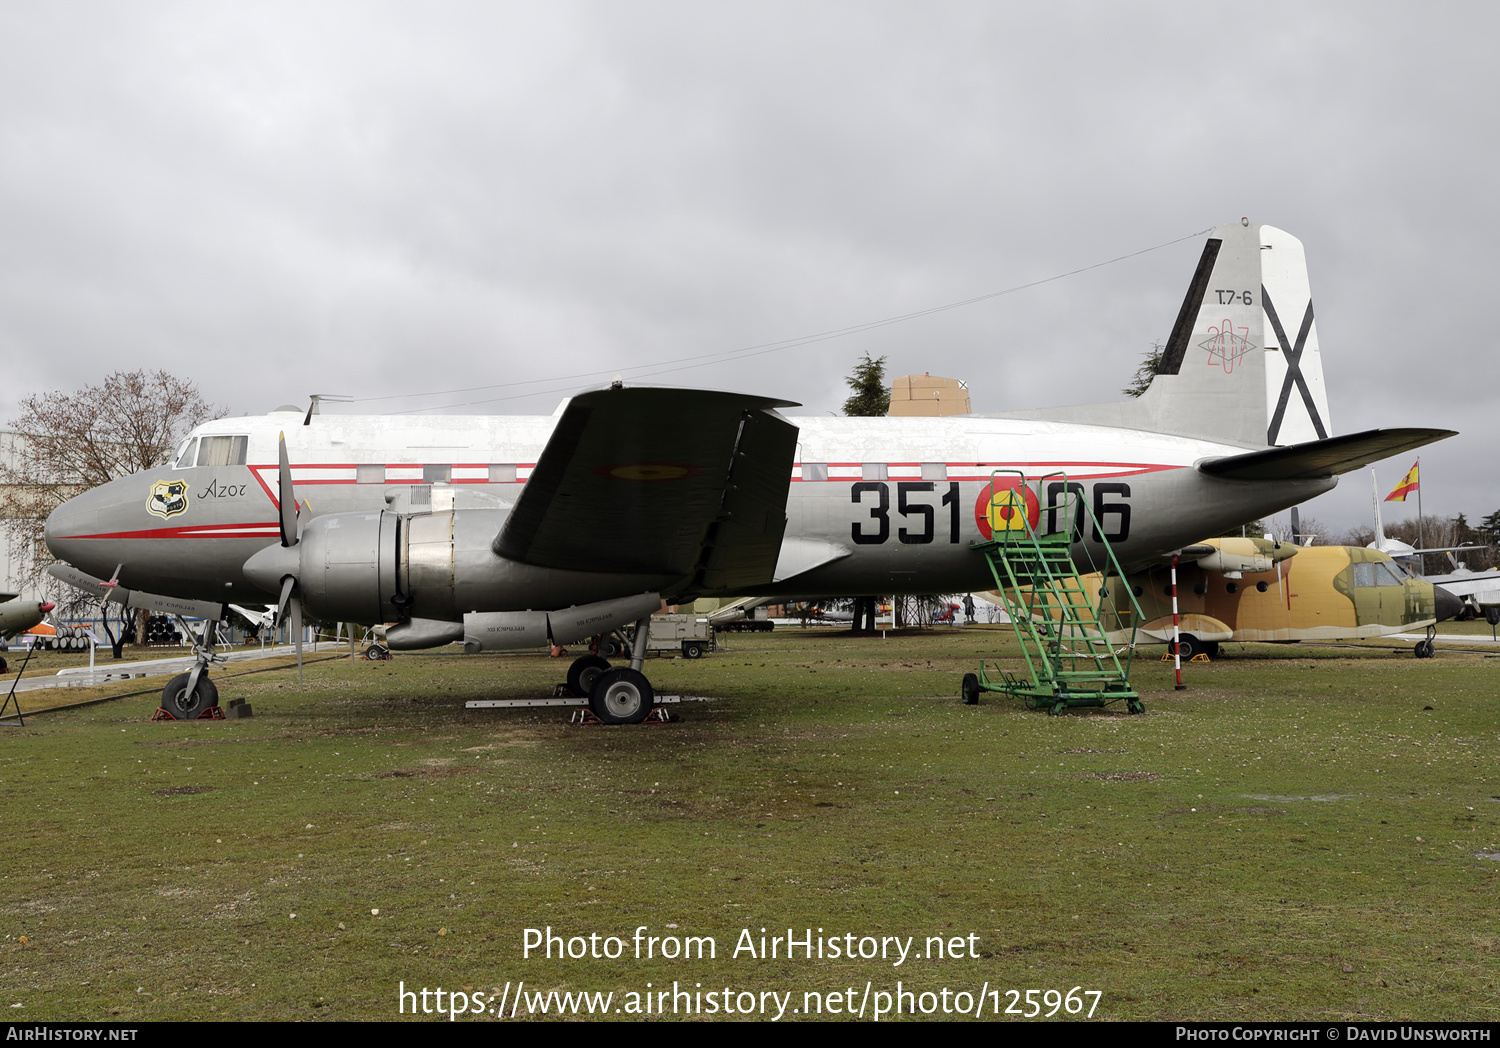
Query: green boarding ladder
x=1062, y=628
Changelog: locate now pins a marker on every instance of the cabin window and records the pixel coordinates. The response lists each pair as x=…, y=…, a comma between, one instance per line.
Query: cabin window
x=1232, y=587
x=502, y=473
x=1364, y=574
x=814, y=471
x=874, y=471
x=222, y=451
x=1385, y=577
x=934, y=471
x=433, y=474
x=1261, y=587
x=370, y=474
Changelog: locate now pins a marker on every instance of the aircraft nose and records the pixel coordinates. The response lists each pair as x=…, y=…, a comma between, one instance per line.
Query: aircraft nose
x=1447, y=604
x=74, y=530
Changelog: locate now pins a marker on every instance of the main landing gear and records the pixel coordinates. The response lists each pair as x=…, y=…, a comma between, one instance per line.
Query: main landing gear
x=618, y=695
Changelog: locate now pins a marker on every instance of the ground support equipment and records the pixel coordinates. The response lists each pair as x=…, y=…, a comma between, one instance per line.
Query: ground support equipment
x=1060, y=624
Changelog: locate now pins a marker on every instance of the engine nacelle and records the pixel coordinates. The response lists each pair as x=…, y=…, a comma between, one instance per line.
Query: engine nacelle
x=437, y=574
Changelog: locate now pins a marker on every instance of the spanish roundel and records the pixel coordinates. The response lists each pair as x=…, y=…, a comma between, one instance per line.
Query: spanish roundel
x=999, y=507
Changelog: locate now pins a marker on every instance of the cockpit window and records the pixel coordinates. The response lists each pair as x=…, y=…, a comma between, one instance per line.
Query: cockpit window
x=222, y=451
x=185, y=452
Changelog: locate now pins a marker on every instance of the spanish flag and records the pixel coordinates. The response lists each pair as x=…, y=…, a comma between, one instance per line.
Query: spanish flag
x=1407, y=486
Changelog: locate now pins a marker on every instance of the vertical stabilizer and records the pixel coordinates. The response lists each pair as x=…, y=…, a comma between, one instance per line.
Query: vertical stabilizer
x=1379, y=542
x=1242, y=363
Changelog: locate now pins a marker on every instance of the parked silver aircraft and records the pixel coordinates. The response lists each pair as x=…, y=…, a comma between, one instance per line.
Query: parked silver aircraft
x=509, y=532
x=18, y=616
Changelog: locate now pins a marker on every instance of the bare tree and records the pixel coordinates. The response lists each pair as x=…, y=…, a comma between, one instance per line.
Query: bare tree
x=75, y=441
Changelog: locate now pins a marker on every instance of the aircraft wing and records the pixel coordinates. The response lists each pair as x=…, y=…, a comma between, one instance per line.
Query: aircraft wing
x=685, y=483
x=1321, y=458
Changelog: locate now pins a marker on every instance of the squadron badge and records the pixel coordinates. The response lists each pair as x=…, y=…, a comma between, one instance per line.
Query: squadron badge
x=168, y=498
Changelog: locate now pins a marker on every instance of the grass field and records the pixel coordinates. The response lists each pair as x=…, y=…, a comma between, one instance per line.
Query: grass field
x=1302, y=834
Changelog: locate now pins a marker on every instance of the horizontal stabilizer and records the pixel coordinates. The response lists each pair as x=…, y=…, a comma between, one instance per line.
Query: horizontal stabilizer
x=1321, y=458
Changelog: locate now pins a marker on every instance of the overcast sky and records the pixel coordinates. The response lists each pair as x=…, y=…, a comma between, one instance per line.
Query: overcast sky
x=383, y=200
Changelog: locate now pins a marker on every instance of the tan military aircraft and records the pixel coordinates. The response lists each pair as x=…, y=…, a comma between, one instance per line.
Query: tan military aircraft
x=1252, y=589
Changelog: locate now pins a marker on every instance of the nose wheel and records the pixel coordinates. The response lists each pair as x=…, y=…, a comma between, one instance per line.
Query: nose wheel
x=186, y=699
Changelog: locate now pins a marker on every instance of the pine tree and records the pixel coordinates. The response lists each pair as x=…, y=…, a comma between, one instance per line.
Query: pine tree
x=872, y=397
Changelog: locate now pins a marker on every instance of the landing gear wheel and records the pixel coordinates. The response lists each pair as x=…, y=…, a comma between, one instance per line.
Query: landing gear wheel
x=1211, y=649
x=1136, y=706
x=1425, y=649
x=176, y=700
x=376, y=652
x=621, y=696
x=584, y=672
x=970, y=689
x=611, y=647
x=691, y=649
x=1187, y=646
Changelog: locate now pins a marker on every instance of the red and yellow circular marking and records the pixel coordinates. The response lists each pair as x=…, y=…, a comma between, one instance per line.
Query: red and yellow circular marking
x=648, y=471
x=1006, y=505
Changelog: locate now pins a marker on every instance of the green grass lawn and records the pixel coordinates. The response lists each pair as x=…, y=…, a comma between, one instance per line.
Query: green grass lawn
x=1303, y=834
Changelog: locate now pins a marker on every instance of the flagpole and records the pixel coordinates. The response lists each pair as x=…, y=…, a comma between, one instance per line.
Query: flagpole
x=1420, y=543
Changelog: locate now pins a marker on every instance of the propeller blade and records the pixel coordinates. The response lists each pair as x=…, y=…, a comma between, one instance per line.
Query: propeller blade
x=297, y=629
x=290, y=532
x=286, y=593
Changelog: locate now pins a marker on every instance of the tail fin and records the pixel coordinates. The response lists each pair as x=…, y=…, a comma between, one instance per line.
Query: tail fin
x=1242, y=364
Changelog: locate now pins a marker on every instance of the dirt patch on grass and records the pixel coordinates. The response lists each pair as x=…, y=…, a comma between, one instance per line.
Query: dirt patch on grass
x=444, y=772
x=1119, y=776
x=178, y=791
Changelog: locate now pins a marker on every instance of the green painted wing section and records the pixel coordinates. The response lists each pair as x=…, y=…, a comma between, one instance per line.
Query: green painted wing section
x=688, y=484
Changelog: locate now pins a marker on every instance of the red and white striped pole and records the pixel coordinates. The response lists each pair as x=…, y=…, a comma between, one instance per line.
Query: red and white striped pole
x=1176, y=628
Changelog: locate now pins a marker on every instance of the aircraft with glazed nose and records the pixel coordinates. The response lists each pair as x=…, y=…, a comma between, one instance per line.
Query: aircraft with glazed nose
x=512, y=532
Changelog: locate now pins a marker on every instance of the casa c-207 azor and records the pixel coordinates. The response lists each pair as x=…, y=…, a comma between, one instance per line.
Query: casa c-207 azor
x=513, y=532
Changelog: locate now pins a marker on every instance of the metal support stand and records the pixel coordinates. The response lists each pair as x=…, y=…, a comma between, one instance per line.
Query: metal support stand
x=19, y=722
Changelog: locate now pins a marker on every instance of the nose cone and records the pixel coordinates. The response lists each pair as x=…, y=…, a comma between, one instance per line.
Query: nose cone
x=71, y=525
x=1447, y=604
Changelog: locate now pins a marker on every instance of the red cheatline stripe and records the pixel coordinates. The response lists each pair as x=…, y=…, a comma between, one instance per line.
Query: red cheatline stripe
x=250, y=530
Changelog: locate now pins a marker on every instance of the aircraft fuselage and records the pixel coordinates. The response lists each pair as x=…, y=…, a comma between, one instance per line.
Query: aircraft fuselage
x=905, y=497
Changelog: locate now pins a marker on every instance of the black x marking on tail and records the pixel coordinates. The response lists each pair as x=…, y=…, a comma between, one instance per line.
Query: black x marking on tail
x=1293, y=357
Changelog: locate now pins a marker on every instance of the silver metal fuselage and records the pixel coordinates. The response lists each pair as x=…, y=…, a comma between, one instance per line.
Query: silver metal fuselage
x=906, y=497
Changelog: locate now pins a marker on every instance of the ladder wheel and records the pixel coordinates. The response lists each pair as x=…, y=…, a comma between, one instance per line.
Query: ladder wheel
x=1136, y=706
x=970, y=689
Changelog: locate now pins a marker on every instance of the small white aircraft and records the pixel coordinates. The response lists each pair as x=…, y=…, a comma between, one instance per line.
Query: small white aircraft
x=511, y=532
